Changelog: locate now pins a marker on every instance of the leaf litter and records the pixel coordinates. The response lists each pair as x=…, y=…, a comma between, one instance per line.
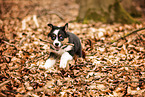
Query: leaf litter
x=114, y=66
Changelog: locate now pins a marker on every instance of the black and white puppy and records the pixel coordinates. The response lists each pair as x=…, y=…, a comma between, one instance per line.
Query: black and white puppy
x=64, y=45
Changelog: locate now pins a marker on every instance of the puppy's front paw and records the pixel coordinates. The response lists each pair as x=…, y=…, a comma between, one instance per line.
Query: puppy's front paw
x=64, y=59
x=49, y=63
x=63, y=63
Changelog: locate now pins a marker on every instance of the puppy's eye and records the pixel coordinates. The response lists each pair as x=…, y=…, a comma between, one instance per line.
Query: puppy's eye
x=60, y=37
x=53, y=37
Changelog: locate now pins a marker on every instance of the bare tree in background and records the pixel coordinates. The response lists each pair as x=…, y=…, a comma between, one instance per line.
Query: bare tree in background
x=135, y=8
x=107, y=11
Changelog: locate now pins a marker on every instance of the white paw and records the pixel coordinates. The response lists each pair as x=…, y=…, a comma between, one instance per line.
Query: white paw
x=64, y=59
x=49, y=63
x=63, y=63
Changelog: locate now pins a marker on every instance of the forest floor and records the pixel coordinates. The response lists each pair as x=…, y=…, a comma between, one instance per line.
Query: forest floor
x=114, y=64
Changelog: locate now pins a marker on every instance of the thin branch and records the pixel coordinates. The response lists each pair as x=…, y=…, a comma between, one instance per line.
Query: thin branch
x=133, y=32
x=8, y=43
x=56, y=13
x=44, y=41
x=51, y=42
x=4, y=83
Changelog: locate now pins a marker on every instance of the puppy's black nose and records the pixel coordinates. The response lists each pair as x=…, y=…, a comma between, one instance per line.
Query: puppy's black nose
x=56, y=44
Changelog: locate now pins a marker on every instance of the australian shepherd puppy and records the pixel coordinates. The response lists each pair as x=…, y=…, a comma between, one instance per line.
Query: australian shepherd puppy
x=64, y=45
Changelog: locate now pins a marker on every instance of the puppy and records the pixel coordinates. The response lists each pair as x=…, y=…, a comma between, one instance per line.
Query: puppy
x=64, y=45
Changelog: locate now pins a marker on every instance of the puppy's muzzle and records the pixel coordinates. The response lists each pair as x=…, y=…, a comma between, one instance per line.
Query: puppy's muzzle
x=57, y=44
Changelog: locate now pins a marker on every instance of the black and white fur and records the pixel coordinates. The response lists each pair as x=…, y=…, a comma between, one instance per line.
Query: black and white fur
x=64, y=46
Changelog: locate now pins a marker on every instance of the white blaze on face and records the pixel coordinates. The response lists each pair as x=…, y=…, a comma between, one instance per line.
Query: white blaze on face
x=56, y=32
x=56, y=40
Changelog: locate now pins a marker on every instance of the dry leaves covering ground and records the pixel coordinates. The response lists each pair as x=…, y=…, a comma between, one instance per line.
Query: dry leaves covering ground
x=114, y=66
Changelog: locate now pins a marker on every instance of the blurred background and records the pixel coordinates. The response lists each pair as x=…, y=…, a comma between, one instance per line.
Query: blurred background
x=62, y=10
x=46, y=10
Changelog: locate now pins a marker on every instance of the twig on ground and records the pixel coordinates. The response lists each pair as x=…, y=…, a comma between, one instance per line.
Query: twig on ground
x=9, y=43
x=133, y=32
x=4, y=83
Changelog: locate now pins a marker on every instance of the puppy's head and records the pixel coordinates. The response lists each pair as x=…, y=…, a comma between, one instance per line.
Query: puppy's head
x=58, y=35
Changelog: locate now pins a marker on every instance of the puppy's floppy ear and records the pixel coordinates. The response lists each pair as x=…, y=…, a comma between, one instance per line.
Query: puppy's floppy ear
x=66, y=27
x=50, y=25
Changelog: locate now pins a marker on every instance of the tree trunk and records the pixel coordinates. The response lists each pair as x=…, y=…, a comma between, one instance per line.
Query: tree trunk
x=134, y=7
x=107, y=11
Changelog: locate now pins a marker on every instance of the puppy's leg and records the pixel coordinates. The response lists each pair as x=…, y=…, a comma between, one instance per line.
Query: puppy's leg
x=64, y=59
x=49, y=63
